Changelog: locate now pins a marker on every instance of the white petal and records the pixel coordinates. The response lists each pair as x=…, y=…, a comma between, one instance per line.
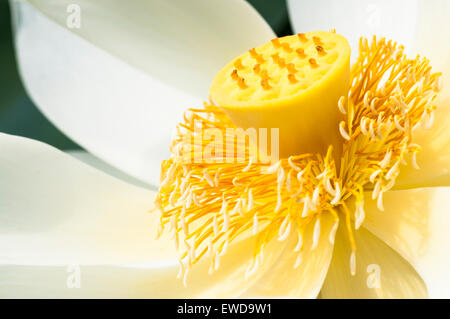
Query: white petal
x=88, y=281
x=120, y=88
x=416, y=224
x=379, y=271
x=411, y=22
x=305, y=280
x=57, y=210
x=355, y=18
x=97, y=163
x=146, y=281
x=59, y=215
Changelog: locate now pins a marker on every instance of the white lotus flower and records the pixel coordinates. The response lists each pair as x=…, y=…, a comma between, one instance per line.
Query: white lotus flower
x=118, y=85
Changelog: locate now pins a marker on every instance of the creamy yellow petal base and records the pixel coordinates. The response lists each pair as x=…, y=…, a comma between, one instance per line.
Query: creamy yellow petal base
x=434, y=157
x=230, y=280
x=416, y=223
x=380, y=271
x=304, y=281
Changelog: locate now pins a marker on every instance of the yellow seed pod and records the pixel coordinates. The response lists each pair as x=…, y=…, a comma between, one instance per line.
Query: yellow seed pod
x=291, y=83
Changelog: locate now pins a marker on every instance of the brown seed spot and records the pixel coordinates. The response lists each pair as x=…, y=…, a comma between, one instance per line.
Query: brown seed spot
x=238, y=64
x=286, y=47
x=276, y=43
x=317, y=41
x=292, y=78
x=257, y=68
x=301, y=53
x=302, y=37
x=291, y=68
x=234, y=75
x=241, y=83
x=280, y=61
x=258, y=57
x=265, y=84
x=313, y=63
x=320, y=50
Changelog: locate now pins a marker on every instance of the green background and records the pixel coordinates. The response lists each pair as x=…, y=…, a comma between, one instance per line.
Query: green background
x=18, y=114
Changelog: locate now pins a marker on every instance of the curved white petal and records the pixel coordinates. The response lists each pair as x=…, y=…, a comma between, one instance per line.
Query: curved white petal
x=417, y=24
x=60, y=218
x=416, y=224
x=87, y=281
x=355, y=18
x=304, y=280
x=128, y=281
x=120, y=88
x=57, y=210
x=92, y=160
x=380, y=272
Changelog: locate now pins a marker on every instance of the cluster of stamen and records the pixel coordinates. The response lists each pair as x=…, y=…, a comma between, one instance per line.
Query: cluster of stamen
x=207, y=205
x=391, y=97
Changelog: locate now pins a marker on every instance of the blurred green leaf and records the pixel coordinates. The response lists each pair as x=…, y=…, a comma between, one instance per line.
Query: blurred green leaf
x=276, y=14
